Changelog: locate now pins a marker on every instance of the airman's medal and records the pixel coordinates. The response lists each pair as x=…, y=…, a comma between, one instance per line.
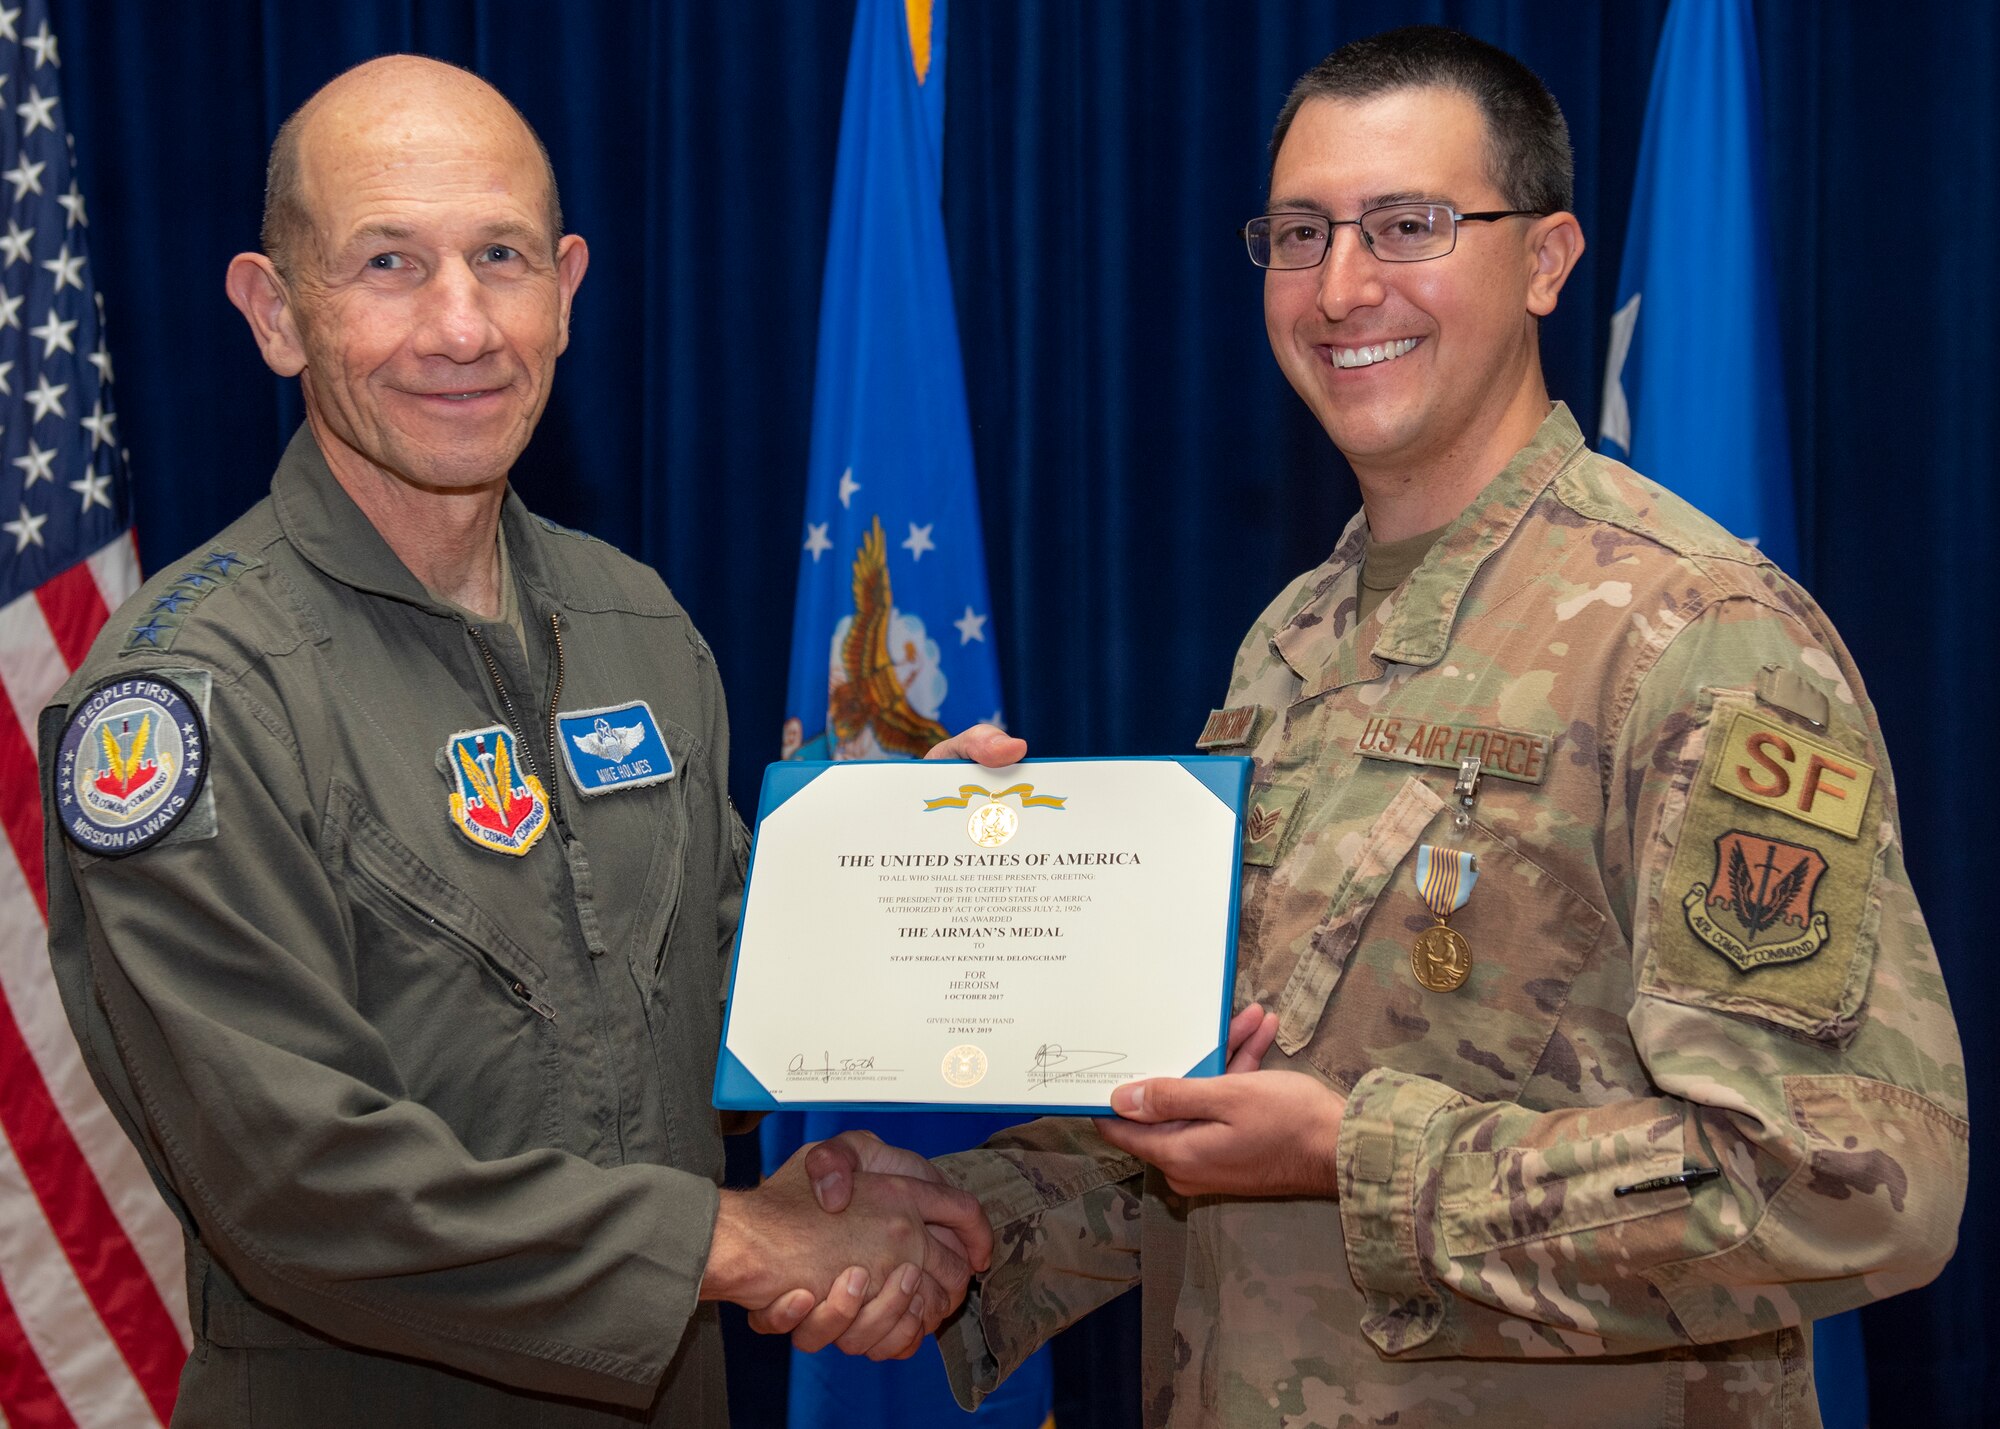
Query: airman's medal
x=1441, y=958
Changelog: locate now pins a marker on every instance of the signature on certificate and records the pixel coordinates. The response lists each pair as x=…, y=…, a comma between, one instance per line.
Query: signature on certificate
x=1053, y=1062
x=830, y=1067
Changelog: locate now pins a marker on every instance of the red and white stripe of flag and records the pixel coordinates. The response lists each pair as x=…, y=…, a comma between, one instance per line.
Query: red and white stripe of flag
x=93, y=1306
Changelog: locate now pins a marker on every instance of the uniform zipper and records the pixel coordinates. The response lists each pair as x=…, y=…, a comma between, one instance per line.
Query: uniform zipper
x=555, y=698
x=527, y=754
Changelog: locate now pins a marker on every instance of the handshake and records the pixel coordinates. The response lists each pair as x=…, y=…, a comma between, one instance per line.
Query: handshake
x=852, y=1242
x=860, y=1244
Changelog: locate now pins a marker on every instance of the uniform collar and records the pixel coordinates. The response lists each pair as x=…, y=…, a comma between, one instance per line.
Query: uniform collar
x=1413, y=627
x=324, y=525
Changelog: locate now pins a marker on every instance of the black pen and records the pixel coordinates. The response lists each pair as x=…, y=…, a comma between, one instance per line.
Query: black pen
x=1662, y=1183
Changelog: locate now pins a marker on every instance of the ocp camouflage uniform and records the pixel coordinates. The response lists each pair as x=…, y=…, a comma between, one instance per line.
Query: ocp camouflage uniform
x=1693, y=946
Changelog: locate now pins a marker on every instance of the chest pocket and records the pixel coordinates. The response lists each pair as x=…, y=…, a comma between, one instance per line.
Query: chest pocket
x=464, y=1010
x=637, y=851
x=1353, y=1003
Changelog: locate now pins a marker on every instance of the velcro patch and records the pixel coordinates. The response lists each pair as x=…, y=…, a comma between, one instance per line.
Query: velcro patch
x=1758, y=914
x=1231, y=728
x=1778, y=767
x=616, y=747
x=1267, y=822
x=1502, y=753
x=494, y=801
x=132, y=762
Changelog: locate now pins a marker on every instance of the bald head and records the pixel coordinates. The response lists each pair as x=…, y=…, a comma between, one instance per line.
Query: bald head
x=383, y=105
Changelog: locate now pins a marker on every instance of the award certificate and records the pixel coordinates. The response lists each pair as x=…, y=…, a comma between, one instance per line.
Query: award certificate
x=921, y=936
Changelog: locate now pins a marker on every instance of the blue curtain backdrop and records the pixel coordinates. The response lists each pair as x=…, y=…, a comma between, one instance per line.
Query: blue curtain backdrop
x=1147, y=478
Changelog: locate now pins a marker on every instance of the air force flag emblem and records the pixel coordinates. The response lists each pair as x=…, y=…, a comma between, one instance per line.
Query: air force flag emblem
x=618, y=747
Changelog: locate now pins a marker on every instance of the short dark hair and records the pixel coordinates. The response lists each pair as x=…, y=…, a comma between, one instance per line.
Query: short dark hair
x=286, y=222
x=1527, y=140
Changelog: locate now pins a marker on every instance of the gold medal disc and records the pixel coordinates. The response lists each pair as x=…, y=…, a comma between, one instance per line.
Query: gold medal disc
x=1441, y=959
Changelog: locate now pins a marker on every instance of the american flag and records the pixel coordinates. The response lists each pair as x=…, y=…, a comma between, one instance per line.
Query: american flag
x=93, y=1311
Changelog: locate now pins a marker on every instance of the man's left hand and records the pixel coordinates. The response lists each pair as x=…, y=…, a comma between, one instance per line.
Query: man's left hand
x=1246, y=1134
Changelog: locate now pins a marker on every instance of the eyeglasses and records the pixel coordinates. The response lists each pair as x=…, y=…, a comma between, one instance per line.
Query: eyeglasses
x=1397, y=233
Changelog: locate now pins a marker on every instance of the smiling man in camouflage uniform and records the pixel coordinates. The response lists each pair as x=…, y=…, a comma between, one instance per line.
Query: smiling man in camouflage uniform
x=1606, y=1047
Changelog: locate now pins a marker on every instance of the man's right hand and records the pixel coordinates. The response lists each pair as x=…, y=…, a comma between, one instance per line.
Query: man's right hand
x=888, y=1269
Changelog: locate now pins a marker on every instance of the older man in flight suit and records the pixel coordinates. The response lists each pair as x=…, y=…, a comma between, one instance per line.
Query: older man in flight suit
x=392, y=872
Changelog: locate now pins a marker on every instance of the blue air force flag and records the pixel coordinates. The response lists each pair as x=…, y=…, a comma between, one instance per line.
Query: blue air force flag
x=1693, y=393
x=891, y=642
x=1694, y=396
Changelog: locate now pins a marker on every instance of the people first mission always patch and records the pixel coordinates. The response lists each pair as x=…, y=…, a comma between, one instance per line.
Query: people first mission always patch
x=131, y=763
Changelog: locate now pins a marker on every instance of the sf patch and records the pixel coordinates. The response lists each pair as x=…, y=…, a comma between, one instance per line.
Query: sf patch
x=1782, y=768
x=1757, y=906
x=132, y=760
x=617, y=747
x=496, y=804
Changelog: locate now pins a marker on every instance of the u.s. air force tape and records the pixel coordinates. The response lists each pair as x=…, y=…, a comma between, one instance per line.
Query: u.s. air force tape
x=131, y=764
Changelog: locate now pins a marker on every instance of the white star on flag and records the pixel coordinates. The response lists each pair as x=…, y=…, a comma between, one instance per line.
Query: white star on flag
x=95, y=487
x=46, y=398
x=919, y=541
x=15, y=244
x=72, y=203
x=25, y=177
x=36, y=112
x=37, y=465
x=55, y=334
x=98, y=424
x=10, y=309
x=8, y=15
x=970, y=627
x=848, y=486
x=27, y=530
x=1616, y=422
x=67, y=269
x=816, y=539
x=43, y=43
x=6, y=387
x=100, y=359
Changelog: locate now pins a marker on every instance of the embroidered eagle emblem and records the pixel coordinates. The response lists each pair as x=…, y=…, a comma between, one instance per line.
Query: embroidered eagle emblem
x=872, y=697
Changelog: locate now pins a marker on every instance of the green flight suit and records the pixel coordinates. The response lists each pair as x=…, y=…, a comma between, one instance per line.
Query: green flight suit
x=435, y=1116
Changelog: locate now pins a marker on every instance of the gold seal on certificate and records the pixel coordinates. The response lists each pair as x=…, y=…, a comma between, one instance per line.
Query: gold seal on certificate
x=964, y=1066
x=992, y=824
x=932, y=935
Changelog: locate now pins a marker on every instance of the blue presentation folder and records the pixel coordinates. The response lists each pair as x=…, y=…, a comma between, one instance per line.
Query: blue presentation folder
x=736, y=1088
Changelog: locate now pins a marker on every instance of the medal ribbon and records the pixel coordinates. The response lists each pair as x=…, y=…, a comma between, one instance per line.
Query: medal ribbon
x=1029, y=798
x=1445, y=877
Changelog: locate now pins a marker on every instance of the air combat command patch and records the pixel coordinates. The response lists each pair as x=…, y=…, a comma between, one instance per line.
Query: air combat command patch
x=132, y=761
x=496, y=803
x=1757, y=906
x=617, y=747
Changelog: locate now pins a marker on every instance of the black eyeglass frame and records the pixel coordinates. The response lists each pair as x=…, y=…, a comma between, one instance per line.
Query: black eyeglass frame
x=1368, y=240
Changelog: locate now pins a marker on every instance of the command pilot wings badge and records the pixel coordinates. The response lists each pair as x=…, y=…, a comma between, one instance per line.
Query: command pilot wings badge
x=616, y=747
x=875, y=703
x=496, y=803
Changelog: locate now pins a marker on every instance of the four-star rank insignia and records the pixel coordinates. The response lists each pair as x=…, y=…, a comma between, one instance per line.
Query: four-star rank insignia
x=496, y=804
x=1757, y=907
